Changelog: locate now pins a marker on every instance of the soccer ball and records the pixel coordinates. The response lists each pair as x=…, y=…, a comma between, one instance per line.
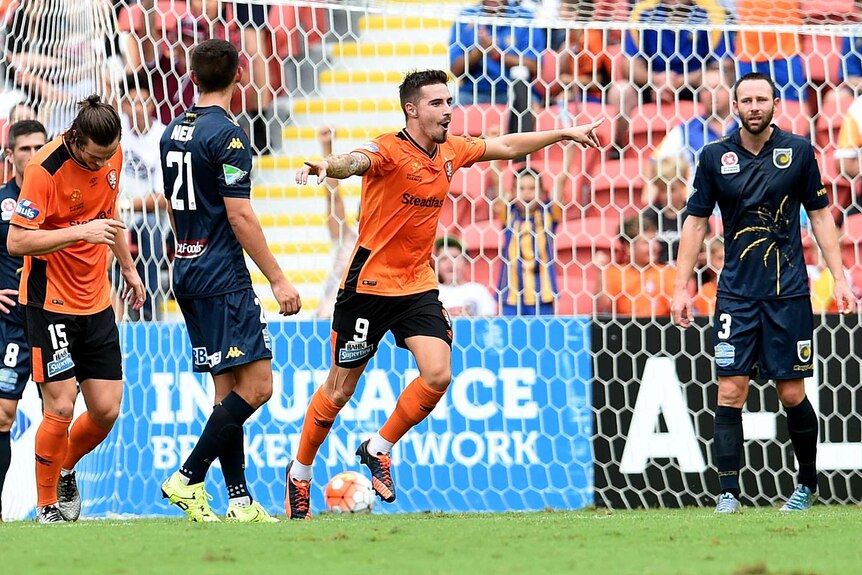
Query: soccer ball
x=349, y=492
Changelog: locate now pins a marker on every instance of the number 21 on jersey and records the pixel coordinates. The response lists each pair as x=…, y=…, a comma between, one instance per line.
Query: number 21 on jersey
x=183, y=181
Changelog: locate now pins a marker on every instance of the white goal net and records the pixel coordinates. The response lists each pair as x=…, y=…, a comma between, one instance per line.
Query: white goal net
x=544, y=411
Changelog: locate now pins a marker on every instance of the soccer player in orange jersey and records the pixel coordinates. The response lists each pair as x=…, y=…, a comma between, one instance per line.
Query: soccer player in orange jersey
x=64, y=222
x=389, y=284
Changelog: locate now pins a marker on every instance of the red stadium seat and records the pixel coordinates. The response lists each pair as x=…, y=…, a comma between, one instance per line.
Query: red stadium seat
x=822, y=56
x=477, y=119
x=793, y=116
x=650, y=122
x=612, y=183
x=827, y=11
x=828, y=121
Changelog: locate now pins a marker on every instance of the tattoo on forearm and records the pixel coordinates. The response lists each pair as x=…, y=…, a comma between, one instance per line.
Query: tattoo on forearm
x=346, y=165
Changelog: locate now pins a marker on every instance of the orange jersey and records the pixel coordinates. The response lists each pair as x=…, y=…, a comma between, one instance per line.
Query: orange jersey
x=640, y=293
x=586, y=55
x=59, y=193
x=402, y=196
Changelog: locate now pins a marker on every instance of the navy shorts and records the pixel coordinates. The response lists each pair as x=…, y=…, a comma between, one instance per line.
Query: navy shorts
x=15, y=364
x=360, y=321
x=65, y=346
x=226, y=331
x=772, y=339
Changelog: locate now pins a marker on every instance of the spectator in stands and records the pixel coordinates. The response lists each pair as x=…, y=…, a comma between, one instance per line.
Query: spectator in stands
x=459, y=296
x=143, y=204
x=481, y=56
x=342, y=234
x=49, y=60
x=706, y=277
x=850, y=71
x=665, y=210
x=530, y=216
x=584, y=66
x=641, y=287
x=776, y=54
x=715, y=120
x=670, y=61
x=849, y=145
x=252, y=19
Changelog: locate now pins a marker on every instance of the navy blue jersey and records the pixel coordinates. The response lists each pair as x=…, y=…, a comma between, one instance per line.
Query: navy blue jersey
x=9, y=265
x=759, y=198
x=206, y=158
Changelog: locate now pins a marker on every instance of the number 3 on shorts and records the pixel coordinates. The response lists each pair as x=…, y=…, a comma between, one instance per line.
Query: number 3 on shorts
x=725, y=320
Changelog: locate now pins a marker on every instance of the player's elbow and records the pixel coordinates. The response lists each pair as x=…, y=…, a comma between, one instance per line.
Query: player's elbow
x=14, y=243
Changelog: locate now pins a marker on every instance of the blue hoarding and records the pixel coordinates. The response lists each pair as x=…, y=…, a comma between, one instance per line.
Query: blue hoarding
x=512, y=433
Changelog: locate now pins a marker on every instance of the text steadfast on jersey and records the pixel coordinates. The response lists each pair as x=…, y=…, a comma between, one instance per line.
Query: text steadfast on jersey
x=409, y=199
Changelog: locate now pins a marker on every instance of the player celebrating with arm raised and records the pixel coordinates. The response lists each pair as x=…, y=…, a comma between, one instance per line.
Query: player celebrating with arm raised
x=389, y=284
x=759, y=177
x=64, y=223
x=206, y=161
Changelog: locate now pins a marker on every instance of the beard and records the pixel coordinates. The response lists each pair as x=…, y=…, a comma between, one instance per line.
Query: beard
x=439, y=137
x=766, y=121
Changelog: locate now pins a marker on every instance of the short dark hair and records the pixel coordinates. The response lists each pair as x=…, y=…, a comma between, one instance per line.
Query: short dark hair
x=214, y=63
x=755, y=76
x=25, y=128
x=136, y=81
x=96, y=122
x=635, y=225
x=415, y=80
x=444, y=242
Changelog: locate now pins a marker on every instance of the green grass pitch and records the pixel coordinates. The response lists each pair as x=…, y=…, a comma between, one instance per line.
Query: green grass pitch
x=760, y=541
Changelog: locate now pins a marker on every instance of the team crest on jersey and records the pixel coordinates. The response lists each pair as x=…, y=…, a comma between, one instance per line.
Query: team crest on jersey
x=7, y=208
x=232, y=174
x=235, y=144
x=729, y=163
x=782, y=157
x=76, y=201
x=450, y=169
x=112, y=179
x=803, y=350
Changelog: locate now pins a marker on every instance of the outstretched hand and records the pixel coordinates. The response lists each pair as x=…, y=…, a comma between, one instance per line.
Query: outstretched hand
x=585, y=134
x=312, y=169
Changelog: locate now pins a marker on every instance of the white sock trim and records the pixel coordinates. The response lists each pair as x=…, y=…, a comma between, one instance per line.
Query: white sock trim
x=300, y=471
x=378, y=445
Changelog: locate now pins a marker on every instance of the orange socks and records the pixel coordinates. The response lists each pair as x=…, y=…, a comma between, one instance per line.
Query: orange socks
x=318, y=421
x=51, y=447
x=83, y=438
x=414, y=404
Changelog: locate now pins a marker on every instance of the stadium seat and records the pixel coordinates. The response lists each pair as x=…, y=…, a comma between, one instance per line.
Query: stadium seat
x=650, y=122
x=793, y=116
x=471, y=194
x=828, y=121
x=822, y=55
x=477, y=119
x=617, y=183
x=826, y=11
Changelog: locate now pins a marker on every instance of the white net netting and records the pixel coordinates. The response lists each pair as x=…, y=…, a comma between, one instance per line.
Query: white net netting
x=541, y=409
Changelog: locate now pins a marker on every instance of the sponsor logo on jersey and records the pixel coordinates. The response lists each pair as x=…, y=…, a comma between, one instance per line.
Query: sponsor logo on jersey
x=112, y=179
x=782, y=157
x=729, y=163
x=200, y=357
x=450, y=169
x=191, y=248
x=62, y=361
x=76, y=201
x=27, y=210
x=725, y=354
x=235, y=144
x=234, y=352
x=267, y=339
x=821, y=192
x=232, y=174
x=355, y=350
x=7, y=208
x=409, y=199
x=414, y=176
x=803, y=350
x=370, y=146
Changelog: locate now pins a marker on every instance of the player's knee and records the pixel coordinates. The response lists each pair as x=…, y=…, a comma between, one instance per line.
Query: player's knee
x=60, y=408
x=731, y=393
x=791, y=396
x=438, y=379
x=105, y=417
x=6, y=422
x=262, y=393
x=340, y=394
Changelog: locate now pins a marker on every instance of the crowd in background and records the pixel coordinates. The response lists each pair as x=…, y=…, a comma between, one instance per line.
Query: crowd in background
x=665, y=89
